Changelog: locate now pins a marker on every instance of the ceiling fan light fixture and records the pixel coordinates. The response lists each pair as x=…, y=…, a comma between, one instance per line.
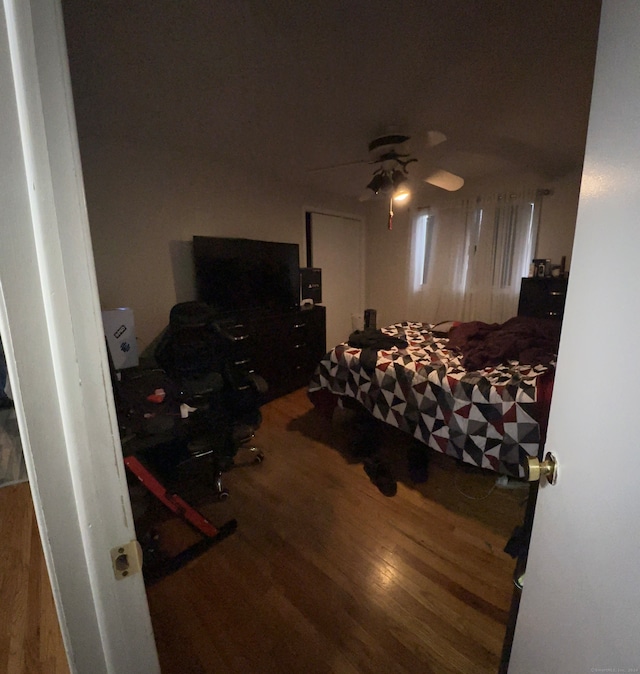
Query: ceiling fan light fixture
x=398, y=176
x=401, y=194
x=401, y=190
x=381, y=182
x=390, y=178
x=374, y=185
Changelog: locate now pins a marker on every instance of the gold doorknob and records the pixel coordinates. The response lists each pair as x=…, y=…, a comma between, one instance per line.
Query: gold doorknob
x=534, y=469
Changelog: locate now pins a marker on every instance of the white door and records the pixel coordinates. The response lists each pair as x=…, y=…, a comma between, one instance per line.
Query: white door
x=580, y=608
x=53, y=340
x=337, y=245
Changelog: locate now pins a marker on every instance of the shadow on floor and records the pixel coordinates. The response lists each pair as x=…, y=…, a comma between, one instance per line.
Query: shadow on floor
x=462, y=488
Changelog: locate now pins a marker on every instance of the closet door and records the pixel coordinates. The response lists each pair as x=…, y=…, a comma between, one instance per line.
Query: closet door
x=337, y=245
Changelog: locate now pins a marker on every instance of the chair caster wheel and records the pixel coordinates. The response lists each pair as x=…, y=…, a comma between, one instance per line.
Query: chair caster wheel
x=257, y=455
x=222, y=495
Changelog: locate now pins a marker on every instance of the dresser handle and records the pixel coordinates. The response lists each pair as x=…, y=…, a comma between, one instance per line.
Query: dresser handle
x=298, y=325
x=556, y=293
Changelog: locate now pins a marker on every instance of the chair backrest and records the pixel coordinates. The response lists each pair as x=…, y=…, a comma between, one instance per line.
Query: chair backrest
x=191, y=345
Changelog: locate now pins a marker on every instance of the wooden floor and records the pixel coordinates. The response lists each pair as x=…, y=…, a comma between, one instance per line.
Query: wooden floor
x=325, y=574
x=30, y=640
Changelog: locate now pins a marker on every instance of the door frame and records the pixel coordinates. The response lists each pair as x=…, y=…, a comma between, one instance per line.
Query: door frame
x=54, y=344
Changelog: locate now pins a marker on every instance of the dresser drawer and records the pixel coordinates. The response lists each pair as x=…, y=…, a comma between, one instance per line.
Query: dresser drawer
x=542, y=297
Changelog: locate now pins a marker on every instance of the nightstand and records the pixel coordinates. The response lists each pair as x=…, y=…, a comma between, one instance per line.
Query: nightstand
x=543, y=297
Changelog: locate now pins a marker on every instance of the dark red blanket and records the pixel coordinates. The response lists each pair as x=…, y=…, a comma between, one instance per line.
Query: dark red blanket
x=530, y=341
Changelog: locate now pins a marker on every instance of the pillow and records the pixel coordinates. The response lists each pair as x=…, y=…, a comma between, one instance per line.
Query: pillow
x=443, y=327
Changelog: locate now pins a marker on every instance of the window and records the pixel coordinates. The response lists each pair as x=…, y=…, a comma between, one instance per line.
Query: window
x=470, y=255
x=422, y=248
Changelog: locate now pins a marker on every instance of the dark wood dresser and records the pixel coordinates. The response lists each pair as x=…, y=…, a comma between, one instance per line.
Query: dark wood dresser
x=542, y=297
x=283, y=348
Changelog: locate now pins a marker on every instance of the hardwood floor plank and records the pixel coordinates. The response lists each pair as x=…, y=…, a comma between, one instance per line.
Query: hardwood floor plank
x=325, y=574
x=30, y=639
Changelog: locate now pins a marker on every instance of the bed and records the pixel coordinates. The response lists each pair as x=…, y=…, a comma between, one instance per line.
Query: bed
x=475, y=391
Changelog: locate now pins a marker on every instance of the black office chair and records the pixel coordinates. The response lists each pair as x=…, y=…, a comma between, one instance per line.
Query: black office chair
x=219, y=400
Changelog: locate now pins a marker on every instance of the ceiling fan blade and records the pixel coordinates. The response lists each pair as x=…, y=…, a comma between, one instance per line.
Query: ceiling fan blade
x=342, y=165
x=384, y=144
x=435, y=138
x=445, y=180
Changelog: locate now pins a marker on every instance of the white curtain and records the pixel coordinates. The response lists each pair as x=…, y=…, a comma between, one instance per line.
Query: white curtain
x=469, y=257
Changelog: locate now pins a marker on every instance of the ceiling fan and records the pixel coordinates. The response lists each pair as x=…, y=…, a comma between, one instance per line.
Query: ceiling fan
x=393, y=163
x=391, y=177
x=390, y=157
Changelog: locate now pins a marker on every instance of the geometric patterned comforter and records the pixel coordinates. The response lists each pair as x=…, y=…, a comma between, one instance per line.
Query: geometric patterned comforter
x=489, y=418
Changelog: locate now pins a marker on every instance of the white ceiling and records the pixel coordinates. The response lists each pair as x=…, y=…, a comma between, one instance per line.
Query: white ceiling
x=285, y=86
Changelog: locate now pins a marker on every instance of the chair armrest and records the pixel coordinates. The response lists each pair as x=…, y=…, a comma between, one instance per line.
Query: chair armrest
x=232, y=332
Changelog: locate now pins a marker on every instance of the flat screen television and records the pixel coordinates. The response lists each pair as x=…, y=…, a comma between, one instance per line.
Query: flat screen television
x=237, y=275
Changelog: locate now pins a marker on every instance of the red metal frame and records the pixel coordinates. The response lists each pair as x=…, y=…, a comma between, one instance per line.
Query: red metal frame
x=174, y=502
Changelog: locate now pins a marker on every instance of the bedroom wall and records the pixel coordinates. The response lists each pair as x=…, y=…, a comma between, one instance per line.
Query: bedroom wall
x=388, y=262
x=145, y=204
x=559, y=212
x=388, y=257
